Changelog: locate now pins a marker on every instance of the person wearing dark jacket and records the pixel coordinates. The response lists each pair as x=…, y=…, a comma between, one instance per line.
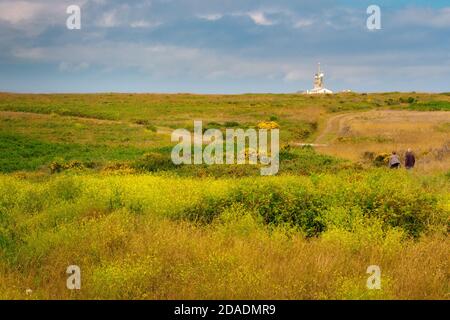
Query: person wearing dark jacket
x=410, y=159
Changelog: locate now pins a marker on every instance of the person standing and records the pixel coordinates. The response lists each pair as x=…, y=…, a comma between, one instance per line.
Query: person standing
x=394, y=161
x=410, y=159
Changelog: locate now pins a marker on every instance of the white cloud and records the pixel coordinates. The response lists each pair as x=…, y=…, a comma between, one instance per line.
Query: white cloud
x=156, y=60
x=126, y=16
x=211, y=16
x=29, y=53
x=260, y=18
x=144, y=24
x=16, y=12
x=32, y=18
x=109, y=19
x=437, y=18
x=99, y=2
x=73, y=67
x=165, y=62
x=303, y=23
x=296, y=75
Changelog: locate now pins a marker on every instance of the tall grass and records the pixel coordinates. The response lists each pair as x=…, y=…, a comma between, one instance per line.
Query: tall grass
x=158, y=237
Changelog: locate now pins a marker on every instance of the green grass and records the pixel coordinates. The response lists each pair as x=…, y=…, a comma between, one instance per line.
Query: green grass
x=431, y=106
x=122, y=127
x=22, y=153
x=165, y=109
x=88, y=180
x=68, y=130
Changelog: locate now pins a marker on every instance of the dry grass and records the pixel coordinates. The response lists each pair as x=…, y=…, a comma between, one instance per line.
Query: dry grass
x=427, y=133
x=161, y=259
x=128, y=253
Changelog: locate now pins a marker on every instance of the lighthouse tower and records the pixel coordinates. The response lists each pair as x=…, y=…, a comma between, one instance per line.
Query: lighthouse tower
x=318, y=83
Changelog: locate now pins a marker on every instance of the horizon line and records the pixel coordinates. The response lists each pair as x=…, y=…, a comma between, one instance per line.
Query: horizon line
x=215, y=93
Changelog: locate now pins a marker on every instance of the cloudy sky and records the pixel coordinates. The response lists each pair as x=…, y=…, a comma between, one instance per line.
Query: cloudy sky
x=223, y=46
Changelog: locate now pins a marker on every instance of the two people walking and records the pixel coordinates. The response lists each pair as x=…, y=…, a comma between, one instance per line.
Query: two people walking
x=395, y=163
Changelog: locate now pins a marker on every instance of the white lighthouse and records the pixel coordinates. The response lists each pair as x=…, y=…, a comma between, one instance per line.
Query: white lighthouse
x=318, y=84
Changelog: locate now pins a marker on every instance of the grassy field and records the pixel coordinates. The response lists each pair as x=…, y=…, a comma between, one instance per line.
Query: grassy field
x=102, y=128
x=356, y=135
x=87, y=180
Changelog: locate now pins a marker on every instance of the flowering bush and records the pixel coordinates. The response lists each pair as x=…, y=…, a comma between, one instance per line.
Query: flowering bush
x=268, y=125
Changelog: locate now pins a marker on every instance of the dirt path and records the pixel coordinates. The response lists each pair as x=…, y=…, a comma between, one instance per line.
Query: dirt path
x=333, y=126
x=337, y=124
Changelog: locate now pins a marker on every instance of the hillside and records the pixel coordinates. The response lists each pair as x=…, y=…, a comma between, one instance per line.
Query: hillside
x=103, y=128
x=87, y=180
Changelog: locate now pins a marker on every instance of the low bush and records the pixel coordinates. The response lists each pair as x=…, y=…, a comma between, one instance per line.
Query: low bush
x=154, y=162
x=394, y=201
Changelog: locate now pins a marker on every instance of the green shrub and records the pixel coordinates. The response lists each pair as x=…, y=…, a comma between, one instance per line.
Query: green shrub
x=142, y=122
x=231, y=124
x=206, y=210
x=306, y=161
x=392, y=200
x=381, y=160
x=154, y=162
x=58, y=166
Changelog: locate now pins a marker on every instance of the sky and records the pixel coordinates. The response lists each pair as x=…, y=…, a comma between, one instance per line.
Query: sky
x=223, y=46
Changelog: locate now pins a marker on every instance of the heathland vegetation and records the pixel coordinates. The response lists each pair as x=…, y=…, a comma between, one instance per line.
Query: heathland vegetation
x=87, y=180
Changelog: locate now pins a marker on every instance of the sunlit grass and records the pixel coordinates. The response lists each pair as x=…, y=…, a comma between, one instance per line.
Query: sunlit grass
x=133, y=240
x=90, y=183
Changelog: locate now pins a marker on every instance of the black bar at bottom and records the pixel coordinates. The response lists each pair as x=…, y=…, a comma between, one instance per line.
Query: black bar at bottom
x=225, y=309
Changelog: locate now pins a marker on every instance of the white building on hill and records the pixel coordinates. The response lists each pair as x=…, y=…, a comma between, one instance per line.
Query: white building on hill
x=318, y=84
